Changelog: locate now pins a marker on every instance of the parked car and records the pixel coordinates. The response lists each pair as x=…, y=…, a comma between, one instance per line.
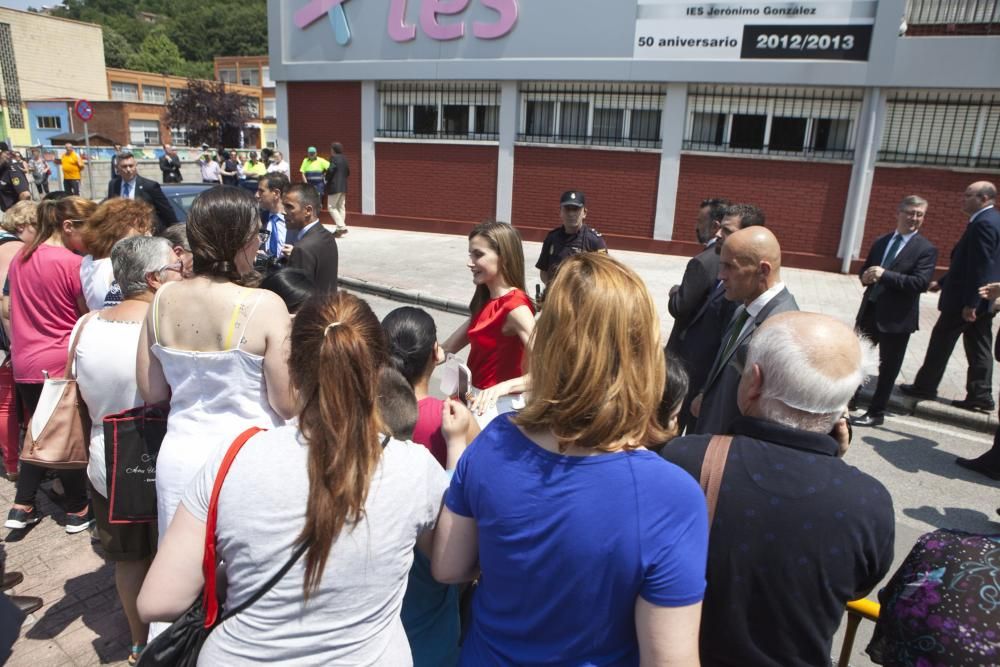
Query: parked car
x=182, y=195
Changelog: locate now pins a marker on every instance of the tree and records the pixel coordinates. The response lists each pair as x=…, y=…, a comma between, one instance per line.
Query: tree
x=157, y=54
x=210, y=113
x=116, y=48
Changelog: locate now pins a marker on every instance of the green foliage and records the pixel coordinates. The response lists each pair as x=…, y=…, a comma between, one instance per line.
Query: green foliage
x=197, y=30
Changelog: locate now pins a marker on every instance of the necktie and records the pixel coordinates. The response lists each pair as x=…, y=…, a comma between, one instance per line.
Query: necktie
x=897, y=241
x=126, y=190
x=734, y=335
x=272, y=240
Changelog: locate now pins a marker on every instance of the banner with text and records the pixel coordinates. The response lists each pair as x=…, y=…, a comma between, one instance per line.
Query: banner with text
x=754, y=29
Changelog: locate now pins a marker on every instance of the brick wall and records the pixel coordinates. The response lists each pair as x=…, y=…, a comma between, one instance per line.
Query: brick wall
x=620, y=187
x=441, y=181
x=942, y=189
x=321, y=113
x=803, y=201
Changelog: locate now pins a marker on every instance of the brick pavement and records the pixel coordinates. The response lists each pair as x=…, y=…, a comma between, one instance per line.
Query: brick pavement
x=82, y=622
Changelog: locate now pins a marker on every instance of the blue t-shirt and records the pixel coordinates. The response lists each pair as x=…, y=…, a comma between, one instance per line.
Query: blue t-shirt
x=567, y=543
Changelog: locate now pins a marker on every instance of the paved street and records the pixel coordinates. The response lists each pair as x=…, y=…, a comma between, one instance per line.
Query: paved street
x=82, y=623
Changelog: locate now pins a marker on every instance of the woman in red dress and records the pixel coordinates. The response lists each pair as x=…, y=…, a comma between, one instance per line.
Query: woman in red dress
x=502, y=319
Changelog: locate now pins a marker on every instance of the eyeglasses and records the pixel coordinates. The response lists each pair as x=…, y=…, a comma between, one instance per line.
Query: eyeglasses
x=176, y=266
x=75, y=221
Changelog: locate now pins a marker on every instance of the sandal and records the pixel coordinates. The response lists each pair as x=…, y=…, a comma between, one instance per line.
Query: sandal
x=135, y=652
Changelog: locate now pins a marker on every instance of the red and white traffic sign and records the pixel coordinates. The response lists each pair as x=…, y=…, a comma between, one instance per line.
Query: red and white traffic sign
x=83, y=110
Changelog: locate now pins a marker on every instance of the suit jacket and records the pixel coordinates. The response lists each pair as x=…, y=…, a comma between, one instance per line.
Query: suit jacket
x=337, y=173
x=700, y=278
x=718, y=405
x=316, y=254
x=975, y=261
x=897, y=306
x=148, y=191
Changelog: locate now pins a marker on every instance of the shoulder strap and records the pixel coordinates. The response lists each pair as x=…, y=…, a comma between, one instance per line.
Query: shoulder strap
x=209, y=561
x=269, y=584
x=70, y=371
x=712, y=468
x=156, y=311
x=246, y=323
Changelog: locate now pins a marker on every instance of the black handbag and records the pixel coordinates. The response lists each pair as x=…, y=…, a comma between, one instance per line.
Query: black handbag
x=131, y=444
x=180, y=644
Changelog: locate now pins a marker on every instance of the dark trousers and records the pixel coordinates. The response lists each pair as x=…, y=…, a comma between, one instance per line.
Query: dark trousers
x=891, y=350
x=977, y=337
x=31, y=476
x=71, y=186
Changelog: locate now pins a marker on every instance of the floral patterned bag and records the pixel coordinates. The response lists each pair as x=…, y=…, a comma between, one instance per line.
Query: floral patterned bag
x=942, y=606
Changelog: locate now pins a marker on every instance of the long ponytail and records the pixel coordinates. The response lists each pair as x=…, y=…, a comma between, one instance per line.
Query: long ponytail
x=337, y=350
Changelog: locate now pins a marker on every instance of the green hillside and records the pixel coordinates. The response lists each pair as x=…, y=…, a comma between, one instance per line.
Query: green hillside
x=179, y=37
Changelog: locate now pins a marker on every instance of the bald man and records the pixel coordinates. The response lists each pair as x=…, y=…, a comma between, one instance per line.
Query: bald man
x=975, y=261
x=750, y=271
x=797, y=532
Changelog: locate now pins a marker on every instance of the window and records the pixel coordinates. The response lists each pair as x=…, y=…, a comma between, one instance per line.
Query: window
x=956, y=128
x=174, y=92
x=179, y=136
x=265, y=77
x=250, y=76
x=270, y=108
x=154, y=94
x=48, y=123
x=439, y=110
x=124, y=92
x=227, y=75
x=144, y=132
x=819, y=122
x=592, y=114
x=253, y=106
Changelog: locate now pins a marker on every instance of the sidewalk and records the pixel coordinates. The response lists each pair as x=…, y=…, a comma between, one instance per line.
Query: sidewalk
x=370, y=261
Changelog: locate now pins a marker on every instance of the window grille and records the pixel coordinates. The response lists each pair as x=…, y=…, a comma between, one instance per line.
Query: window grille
x=949, y=128
x=976, y=17
x=813, y=122
x=11, y=84
x=440, y=110
x=597, y=114
x=179, y=136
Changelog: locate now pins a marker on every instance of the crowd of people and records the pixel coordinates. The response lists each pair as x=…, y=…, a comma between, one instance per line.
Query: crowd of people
x=596, y=496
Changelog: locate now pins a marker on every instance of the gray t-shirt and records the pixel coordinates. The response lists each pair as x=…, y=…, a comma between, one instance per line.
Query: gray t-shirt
x=353, y=616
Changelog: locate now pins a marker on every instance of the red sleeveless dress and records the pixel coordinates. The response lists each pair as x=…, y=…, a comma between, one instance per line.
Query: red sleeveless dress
x=494, y=357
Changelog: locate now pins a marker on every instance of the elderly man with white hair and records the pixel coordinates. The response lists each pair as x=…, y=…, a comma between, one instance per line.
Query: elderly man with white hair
x=797, y=532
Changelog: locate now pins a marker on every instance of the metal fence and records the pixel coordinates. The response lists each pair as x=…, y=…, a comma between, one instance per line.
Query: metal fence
x=593, y=114
x=947, y=128
x=439, y=110
x=971, y=17
x=813, y=122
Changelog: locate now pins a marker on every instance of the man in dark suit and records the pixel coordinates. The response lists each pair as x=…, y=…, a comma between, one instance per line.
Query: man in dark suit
x=975, y=261
x=750, y=270
x=130, y=184
x=315, y=251
x=898, y=270
x=698, y=342
x=170, y=165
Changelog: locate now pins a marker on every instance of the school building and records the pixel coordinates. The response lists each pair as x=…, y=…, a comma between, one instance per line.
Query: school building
x=825, y=113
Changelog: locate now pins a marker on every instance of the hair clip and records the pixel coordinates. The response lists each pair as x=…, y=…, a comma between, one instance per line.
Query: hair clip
x=332, y=325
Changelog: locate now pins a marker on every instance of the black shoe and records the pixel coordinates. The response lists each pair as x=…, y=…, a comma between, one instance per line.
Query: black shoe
x=913, y=391
x=867, y=419
x=985, y=405
x=77, y=523
x=26, y=603
x=975, y=465
x=19, y=519
x=11, y=579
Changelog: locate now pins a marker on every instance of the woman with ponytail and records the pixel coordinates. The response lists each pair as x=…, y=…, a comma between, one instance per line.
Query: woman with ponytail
x=46, y=298
x=213, y=345
x=358, y=499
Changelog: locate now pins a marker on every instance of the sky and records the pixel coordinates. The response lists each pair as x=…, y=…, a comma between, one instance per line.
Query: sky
x=24, y=4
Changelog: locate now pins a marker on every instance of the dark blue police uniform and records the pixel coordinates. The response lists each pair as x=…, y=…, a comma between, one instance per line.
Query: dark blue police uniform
x=559, y=246
x=12, y=183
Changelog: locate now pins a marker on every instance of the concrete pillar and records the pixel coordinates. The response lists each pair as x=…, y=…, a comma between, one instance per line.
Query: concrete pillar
x=369, y=117
x=505, y=151
x=672, y=124
x=281, y=109
x=871, y=123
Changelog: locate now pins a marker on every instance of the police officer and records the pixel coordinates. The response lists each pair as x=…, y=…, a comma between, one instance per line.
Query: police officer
x=13, y=182
x=569, y=239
